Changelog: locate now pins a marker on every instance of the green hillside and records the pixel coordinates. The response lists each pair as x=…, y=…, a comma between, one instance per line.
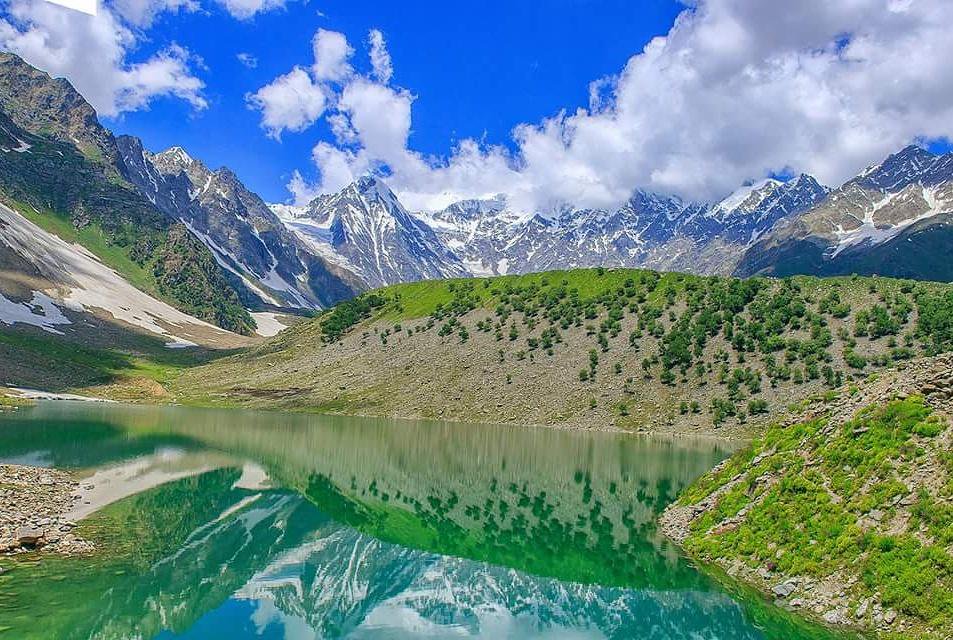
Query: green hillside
x=849, y=504
x=591, y=348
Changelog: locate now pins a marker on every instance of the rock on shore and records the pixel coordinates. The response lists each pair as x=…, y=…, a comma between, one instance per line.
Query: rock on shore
x=33, y=501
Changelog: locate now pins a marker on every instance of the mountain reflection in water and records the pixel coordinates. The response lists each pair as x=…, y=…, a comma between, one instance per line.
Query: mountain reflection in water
x=226, y=524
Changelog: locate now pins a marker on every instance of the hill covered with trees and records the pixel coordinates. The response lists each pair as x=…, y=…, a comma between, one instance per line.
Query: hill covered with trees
x=593, y=348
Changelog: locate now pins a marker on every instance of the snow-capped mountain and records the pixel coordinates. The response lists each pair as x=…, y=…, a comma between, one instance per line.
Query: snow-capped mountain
x=771, y=226
x=369, y=231
x=365, y=228
x=245, y=236
x=345, y=584
x=891, y=219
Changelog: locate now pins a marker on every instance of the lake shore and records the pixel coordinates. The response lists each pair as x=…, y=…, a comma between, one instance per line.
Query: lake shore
x=838, y=596
x=33, y=504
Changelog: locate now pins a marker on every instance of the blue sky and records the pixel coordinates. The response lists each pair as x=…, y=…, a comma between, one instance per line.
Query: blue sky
x=471, y=100
x=476, y=68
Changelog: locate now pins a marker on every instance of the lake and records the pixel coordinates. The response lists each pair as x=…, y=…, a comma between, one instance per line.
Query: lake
x=234, y=524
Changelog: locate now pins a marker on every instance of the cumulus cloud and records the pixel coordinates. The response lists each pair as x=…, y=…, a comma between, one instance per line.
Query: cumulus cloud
x=331, y=54
x=247, y=9
x=737, y=89
x=92, y=52
x=141, y=13
x=291, y=102
x=295, y=101
x=301, y=192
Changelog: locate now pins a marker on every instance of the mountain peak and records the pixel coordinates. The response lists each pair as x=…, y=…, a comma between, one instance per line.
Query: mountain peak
x=912, y=151
x=43, y=105
x=176, y=155
x=910, y=164
x=748, y=197
x=371, y=185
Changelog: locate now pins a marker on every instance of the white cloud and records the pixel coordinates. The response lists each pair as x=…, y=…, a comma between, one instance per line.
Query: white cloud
x=247, y=9
x=736, y=90
x=92, y=52
x=381, y=63
x=301, y=192
x=141, y=13
x=380, y=116
x=291, y=102
x=247, y=59
x=165, y=73
x=294, y=101
x=331, y=54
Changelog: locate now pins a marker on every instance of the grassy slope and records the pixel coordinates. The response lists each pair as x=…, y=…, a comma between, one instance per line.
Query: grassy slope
x=118, y=364
x=861, y=501
x=525, y=348
x=8, y=401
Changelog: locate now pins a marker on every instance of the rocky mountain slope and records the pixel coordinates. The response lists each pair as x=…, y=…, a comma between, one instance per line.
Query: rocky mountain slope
x=261, y=256
x=587, y=348
x=370, y=232
x=893, y=219
x=844, y=510
x=366, y=229
x=61, y=169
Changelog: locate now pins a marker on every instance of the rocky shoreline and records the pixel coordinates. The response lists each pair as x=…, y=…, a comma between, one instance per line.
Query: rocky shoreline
x=34, y=503
x=830, y=598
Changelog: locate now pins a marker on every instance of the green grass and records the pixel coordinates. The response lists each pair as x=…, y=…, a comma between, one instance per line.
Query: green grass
x=809, y=522
x=12, y=402
x=55, y=363
x=421, y=299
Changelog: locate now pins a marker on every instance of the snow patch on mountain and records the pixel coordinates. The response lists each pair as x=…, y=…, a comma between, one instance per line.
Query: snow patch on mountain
x=40, y=312
x=90, y=284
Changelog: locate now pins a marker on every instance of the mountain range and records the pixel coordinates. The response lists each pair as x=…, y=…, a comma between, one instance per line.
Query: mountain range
x=201, y=241
x=893, y=219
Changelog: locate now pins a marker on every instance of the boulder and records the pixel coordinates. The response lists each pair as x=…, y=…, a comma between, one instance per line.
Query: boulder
x=784, y=589
x=29, y=536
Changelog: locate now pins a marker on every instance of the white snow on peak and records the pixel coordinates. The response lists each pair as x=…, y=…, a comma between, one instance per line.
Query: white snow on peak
x=740, y=196
x=288, y=212
x=873, y=233
x=178, y=154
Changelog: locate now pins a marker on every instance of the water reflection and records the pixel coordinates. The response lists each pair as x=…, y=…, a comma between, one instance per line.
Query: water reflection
x=222, y=524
